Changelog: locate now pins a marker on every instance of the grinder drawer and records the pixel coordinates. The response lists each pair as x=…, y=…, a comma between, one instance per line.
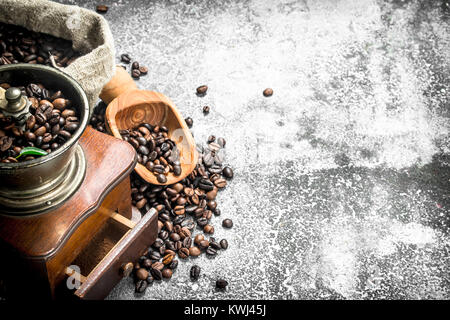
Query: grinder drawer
x=109, y=256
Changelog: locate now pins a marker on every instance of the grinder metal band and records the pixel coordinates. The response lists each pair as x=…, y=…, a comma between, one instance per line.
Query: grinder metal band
x=50, y=196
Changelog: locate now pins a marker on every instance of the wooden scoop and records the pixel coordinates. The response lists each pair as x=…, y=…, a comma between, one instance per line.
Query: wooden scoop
x=128, y=107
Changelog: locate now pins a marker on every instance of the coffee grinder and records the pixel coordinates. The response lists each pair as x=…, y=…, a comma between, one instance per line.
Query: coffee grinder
x=66, y=227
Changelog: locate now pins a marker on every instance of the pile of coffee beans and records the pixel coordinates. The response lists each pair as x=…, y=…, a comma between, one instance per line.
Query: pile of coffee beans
x=19, y=45
x=155, y=150
x=185, y=212
x=52, y=122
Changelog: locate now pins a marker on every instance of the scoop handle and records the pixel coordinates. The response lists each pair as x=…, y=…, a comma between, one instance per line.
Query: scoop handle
x=121, y=82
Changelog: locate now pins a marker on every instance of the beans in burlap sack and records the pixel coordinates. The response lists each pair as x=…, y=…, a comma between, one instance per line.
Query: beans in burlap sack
x=88, y=31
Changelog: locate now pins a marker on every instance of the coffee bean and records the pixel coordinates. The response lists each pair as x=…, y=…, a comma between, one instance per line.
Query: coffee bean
x=227, y=223
x=206, y=185
x=40, y=118
x=177, y=170
x=189, y=224
x=198, y=238
x=195, y=272
x=60, y=103
x=202, y=90
x=149, y=280
x=135, y=65
x=167, y=273
x=268, y=92
x=156, y=274
x=211, y=195
x=161, y=178
x=136, y=74
x=202, y=222
x=173, y=265
x=147, y=263
x=157, y=265
x=142, y=274
x=208, y=159
x=185, y=233
x=221, y=142
x=141, y=285
x=183, y=253
x=214, y=244
x=224, y=244
x=221, y=284
x=140, y=204
x=220, y=183
x=175, y=236
x=143, y=70
x=66, y=135
x=187, y=242
x=125, y=58
x=158, y=243
x=208, y=229
x=178, y=245
x=206, y=109
x=228, y=172
x=211, y=251
x=143, y=150
x=203, y=244
x=31, y=121
x=71, y=127
x=212, y=204
x=179, y=210
x=194, y=251
x=167, y=259
x=169, y=226
x=40, y=131
x=189, y=122
x=102, y=9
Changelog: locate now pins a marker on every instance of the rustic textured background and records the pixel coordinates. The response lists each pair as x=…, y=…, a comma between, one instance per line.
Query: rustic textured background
x=342, y=177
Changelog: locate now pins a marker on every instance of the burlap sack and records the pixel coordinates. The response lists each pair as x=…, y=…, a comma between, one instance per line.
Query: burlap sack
x=88, y=31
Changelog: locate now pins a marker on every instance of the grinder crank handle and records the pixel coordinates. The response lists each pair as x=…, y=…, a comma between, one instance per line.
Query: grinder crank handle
x=120, y=83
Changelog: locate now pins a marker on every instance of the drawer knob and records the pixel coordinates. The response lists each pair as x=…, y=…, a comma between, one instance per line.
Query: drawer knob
x=126, y=269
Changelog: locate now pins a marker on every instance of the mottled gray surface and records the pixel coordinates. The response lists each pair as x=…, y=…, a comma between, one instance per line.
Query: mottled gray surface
x=342, y=177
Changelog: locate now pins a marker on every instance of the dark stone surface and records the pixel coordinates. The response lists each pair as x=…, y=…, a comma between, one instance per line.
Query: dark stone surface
x=341, y=185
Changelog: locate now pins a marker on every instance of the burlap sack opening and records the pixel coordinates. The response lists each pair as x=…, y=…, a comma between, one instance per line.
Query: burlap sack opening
x=88, y=31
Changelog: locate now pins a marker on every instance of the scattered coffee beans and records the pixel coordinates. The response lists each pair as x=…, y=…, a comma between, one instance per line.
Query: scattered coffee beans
x=184, y=208
x=137, y=70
